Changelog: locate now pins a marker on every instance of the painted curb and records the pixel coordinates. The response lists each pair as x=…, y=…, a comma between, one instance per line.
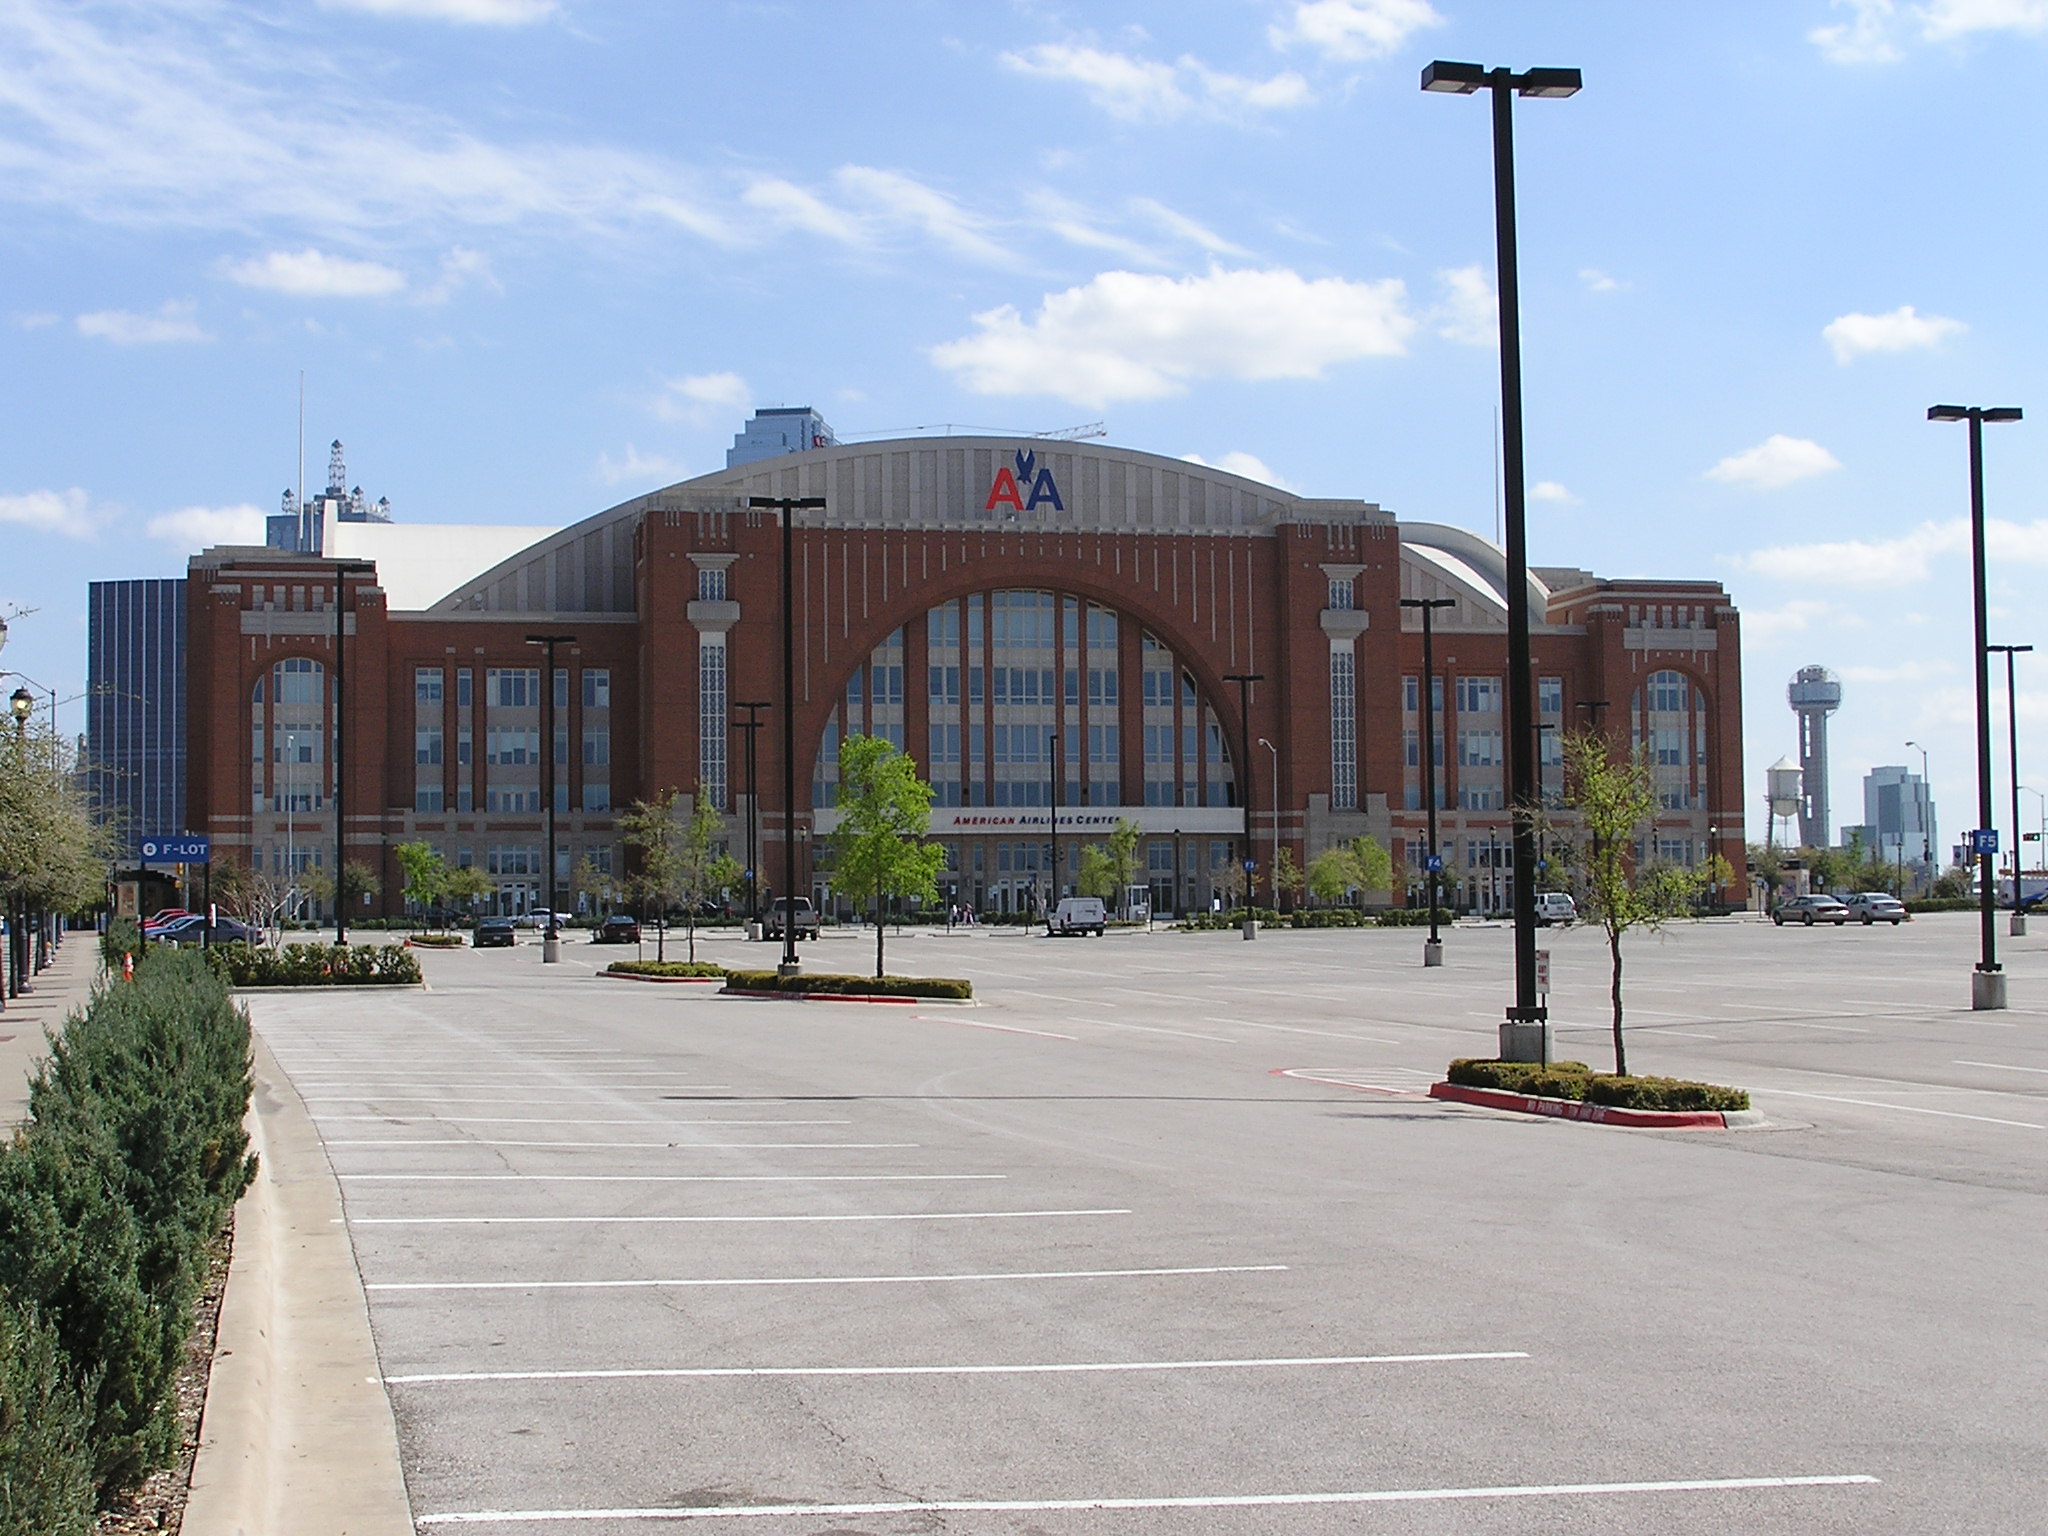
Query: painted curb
x=714, y=981
x=297, y=1437
x=847, y=997
x=1572, y=1109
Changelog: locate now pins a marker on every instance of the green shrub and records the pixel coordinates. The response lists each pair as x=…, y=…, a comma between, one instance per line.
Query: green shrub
x=123, y=937
x=1215, y=921
x=1328, y=917
x=1576, y=1081
x=850, y=986
x=666, y=968
x=436, y=941
x=314, y=965
x=46, y=1472
x=1943, y=904
x=1415, y=917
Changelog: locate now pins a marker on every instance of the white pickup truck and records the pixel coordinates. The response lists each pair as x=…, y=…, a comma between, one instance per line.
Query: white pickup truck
x=805, y=921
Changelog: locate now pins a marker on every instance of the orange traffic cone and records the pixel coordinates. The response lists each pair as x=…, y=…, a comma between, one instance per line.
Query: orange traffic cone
x=127, y=967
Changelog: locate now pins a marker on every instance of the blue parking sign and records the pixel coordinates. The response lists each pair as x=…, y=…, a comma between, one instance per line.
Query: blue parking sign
x=176, y=850
x=1984, y=840
x=1434, y=863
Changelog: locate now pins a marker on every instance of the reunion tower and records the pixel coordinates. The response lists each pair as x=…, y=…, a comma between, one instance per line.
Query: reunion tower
x=1814, y=694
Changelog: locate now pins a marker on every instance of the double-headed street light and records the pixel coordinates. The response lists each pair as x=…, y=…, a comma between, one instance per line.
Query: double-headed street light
x=751, y=725
x=1433, y=946
x=1244, y=681
x=2012, y=720
x=788, y=506
x=1987, y=982
x=1920, y=809
x=1526, y=1034
x=551, y=936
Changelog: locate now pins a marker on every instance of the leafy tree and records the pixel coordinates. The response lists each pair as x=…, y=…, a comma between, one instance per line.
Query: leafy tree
x=1374, y=866
x=596, y=883
x=885, y=811
x=703, y=867
x=1951, y=884
x=1287, y=877
x=1109, y=867
x=650, y=828
x=1769, y=863
x=1331, y=874
x=358, y=880
x=425, y=872
x=1098, y=873
x=464, y=886
x=1613, y=800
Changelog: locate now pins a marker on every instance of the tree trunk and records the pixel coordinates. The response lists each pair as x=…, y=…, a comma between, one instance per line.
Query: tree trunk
x=693, y=933
x=660, y=937
x=878, y=934
x=1620, y=1050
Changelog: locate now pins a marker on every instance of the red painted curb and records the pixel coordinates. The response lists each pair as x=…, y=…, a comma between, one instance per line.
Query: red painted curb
x=670, y=980
x=833, y=997
x=1572, y=1109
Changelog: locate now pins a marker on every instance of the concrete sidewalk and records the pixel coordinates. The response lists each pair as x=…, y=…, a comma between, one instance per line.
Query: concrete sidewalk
x=59, y=990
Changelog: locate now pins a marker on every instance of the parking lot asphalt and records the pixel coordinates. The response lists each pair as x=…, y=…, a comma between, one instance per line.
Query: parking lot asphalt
x=1163, y=1237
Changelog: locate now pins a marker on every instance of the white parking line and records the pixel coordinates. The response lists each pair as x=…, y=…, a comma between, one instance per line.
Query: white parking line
x=560, y=1221
x=1999, y=1066
x=753, y=1280
x=1910, y=1109
x=681, y=1146
x=1080, y=1368
x=1153, y=1029
x=1213, y=1501
x=667, y=1178
x=1296, y=1029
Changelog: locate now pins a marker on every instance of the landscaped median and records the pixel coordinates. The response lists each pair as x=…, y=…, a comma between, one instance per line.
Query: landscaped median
x=849, y=989
x=1571, y=1090
x=314, y=965
x=435, y=941
x=664, y=970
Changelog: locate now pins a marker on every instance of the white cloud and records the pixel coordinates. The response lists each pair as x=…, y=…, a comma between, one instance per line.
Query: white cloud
x=1761, y=625
x=799, y=209
x=1184, y=228
x=641, y=468
x=1900, y=330
x=1129, y=336
x=1905, y=672
x=197, y=527
x=173, y=322
x=1944, y=19
x=905, y=201
x=66, y=512
x=1552, y=491
x=461, y=269
x=701, y=397
x=1596, y=280
x=1076, y=225
x=36, y=320
x=483, y=13
x=1239, y=463
x=313, y=273
x=1142, y=90
x=1469, y=313
x=1354, y=29
x=1776, y=461
x=1866, y=38
x=1899, y=561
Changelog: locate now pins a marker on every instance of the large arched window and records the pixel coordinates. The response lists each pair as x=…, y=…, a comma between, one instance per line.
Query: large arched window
x=288, y=729
x=1668, y=719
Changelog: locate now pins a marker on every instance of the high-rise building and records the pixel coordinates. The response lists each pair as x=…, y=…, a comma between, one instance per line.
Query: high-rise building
x=1900, y=813
x=778, y=429
x=302, y=527
x=135, y=706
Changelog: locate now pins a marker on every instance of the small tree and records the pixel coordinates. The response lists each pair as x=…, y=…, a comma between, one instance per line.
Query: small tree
x=1769, y=864
x=596, y=883
x=1098, y=873
x=884, y=813
x=358, y=881
x=425, y=872
x=1287, y=877
x=702, y=864
x=1331, y=875
x=650, y=828
x=1373, y=865
x=1613, y=800
x=464, y=886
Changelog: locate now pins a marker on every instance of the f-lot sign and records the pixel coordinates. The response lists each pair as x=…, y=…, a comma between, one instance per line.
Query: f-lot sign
x=177, y=850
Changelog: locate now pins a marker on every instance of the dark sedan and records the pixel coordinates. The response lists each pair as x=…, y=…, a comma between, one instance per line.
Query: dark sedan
x=617, y=929
x=493, y=933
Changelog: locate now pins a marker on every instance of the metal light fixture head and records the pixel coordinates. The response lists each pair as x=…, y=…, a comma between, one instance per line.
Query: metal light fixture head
x=1948, y=413
x=1553, y=83
x=1458, y=79
x=22, y=702
x=1999, y=413
x=2002, y=413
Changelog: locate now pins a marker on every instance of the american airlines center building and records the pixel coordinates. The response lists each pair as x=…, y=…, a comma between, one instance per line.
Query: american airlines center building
x=1035, y=623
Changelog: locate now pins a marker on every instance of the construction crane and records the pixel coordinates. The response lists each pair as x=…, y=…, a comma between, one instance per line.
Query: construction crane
x=1075, y=434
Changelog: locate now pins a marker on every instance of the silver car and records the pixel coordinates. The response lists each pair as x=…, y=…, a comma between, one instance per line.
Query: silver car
x=1810, y=910
x=1870, y=907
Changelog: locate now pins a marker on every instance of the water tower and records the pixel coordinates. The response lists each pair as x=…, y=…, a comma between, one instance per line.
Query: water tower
x=1784, y=794
x=1814, y=694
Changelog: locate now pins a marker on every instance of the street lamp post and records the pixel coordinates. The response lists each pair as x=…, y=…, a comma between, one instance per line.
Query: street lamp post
x=1925, y=799
x=343, y=569
x=1433, y=946
x=1526, y=1034
x=551, y=935
x=788, y=506
x=750, y=725
x=1244, y=681
x=2012, y=720
x=1987, y=982
x=1273, y=869
x=1052, y=774
x=21, y=704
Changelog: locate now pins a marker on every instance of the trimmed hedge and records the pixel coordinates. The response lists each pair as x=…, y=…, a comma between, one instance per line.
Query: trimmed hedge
x=46, y=1481
x=314, y=965
x=1199, y=922
x=1944, y=904
x=665, y=968
x=1329, y=917
x=436, y=941
x=1415, y=917
x=850, y=986
x=126, y=1171
x=1576, y=1081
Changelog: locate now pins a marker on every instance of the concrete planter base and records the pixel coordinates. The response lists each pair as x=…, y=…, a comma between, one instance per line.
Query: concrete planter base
x=1572, y=1109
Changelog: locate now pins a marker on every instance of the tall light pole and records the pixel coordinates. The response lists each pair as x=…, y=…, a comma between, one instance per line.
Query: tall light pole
x=751, y=725
x=1244, y=681
x=1526, y=1034
x=551, y=936
x=1273, y=869
x=21, y=705
x=1987, y=982
x=1433, y=946
x=343, y=569
x=1926, y=803
x=1053, y=769
x=788, y=506
x=2012, y=720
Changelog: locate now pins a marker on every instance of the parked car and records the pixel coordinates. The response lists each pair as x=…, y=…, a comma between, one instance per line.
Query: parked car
x=1076, y=914
x=192, y=929
x=164, y=919
x=493, y=933
x=1555, y=907
x=1876, y=907
x=616, y=929
x=1810, y=910
x=805, y=920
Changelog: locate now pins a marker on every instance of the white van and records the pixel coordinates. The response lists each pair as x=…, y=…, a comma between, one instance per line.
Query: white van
x=1555, y=907
x=1077, y=914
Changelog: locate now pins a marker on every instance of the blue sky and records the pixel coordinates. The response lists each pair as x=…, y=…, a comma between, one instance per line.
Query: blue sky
x=535, y=256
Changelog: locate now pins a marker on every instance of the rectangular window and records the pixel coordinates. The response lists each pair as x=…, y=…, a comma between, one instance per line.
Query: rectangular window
x=1479, y=749
x=1550, y=696
x=974, y=685
x=465, y=797
x=462, y=687
x=712, y=717
x=465, y=745
x=512, y=746
x=512, y=687
x=711, y=585
x=426, y=685
x=597, y=687
x=597, y=746
x=597, y=797
x=1102, y=746
x=1343, y=729
x=426, y=745
x=517, y=802
x=945, y=747
x=561, y=746
x=1343, y=595
x=1411, y=695
x=1102, y=687
x=561, y=688
x=427, y=799
x=945, y=686
x=1478, y=695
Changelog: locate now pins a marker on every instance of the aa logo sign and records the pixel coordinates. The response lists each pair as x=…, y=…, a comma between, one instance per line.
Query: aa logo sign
x=1029, y=486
